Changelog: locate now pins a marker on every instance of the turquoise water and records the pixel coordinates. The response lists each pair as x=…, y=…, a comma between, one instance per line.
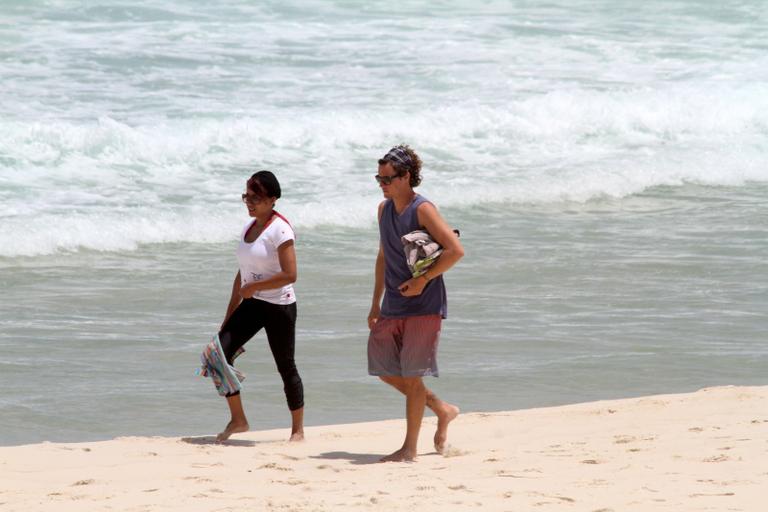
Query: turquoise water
x=606, y=164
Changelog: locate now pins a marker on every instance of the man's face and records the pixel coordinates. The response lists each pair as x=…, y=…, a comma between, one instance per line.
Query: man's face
x=396, y=185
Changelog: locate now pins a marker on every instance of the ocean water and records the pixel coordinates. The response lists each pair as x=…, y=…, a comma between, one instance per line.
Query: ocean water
x=606, y=162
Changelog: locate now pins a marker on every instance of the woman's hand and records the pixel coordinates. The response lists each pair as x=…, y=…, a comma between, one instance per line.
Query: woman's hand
x=247, y=290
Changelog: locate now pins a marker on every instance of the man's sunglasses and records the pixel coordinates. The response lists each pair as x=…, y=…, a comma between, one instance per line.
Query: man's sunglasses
x=386, y=180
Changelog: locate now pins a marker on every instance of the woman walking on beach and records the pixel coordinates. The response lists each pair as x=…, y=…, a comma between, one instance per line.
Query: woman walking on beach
x=262, y=297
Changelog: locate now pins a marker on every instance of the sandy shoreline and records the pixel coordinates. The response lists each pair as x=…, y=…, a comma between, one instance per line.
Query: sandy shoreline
x=688, y=452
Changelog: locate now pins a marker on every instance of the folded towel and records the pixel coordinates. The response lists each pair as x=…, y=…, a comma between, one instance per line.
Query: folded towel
x=421, y=251
x=214, y=364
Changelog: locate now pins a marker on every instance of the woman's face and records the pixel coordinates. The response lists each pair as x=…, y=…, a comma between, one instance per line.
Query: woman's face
x=258, y=206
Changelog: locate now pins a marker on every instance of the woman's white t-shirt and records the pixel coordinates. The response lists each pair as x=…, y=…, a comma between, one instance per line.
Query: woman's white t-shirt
x=259, y=260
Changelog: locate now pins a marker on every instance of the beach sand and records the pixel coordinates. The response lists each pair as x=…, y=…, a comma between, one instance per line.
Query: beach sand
x=686, y=452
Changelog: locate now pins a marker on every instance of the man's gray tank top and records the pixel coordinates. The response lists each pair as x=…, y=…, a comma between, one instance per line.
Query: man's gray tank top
x=433, y=300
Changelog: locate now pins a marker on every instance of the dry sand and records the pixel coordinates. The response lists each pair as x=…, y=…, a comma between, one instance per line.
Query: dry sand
x=689, y=452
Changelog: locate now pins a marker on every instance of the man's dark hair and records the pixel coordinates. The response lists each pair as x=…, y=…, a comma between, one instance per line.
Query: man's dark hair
x=403, y=159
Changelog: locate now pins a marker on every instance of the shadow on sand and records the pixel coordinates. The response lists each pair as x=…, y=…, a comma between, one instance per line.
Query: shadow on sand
x=354, y=458
x=205, y=440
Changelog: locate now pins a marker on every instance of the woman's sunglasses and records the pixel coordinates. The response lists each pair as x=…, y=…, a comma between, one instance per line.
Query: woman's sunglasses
x=252, y=199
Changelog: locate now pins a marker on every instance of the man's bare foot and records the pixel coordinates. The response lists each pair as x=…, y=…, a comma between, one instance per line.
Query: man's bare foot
x=446, y=415
x=401, y=455
x=232, y=428
x=296, y=436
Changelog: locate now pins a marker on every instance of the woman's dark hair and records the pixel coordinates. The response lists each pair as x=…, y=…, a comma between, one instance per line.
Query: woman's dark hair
x=264, y=184
x=403, y=159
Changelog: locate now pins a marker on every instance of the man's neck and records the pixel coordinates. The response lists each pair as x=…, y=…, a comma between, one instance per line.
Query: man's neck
x=402, y=201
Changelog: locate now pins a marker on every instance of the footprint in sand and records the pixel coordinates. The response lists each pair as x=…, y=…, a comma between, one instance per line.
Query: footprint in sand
x=598, y=412
x=203, y=465
x=450, y=451
x=289, y=482
x=272, y=465
x=198, y=479
x=551, y=496
x=508, y=474
x=717, y=458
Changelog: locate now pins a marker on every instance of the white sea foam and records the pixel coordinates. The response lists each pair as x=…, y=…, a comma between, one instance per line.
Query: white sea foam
x=62, y=182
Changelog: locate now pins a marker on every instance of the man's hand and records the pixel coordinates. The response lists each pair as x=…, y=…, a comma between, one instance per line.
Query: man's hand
x=413, y=286
x=373, y=316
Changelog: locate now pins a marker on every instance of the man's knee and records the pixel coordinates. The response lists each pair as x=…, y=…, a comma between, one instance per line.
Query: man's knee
x=413, y=385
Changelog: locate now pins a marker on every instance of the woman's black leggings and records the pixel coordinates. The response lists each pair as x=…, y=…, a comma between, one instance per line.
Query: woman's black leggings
x=279, y=321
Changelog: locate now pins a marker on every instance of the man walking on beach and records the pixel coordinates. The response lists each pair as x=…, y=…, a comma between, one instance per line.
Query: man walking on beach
x=405, y=327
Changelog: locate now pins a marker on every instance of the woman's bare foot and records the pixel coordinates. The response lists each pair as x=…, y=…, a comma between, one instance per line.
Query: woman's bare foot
x=444, y=416
x=401, y=455
x=232, y=428
x=296, y=436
